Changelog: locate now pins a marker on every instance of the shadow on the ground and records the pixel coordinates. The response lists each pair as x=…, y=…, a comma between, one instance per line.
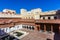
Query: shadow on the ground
x=57, y=36
x=6, y=36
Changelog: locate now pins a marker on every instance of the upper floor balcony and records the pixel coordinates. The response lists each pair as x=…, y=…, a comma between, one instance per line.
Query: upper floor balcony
x=56, y=21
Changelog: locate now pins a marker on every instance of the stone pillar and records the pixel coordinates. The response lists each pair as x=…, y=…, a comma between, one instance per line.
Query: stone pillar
x=16, y=27
x=35, y=27
x=8, y=29
x=59, y=28
x=52, y=35
x=31, y=27
x=5, y=29
x=44, y=27
x=46, y=17
x=20, y=26
x=38, y=27
x=51, y=28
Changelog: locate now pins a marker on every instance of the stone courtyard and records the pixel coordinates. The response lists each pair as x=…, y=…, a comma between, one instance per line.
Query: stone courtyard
x=33, y=35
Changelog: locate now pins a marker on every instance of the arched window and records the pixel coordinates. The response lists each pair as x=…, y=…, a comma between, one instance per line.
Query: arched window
x=48, y=17
x=32, y=28
x=42, y=27
x=55, y=17
x=43, y=17
x=27, y=27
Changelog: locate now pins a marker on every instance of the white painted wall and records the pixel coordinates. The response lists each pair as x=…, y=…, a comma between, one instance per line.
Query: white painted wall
x=16, y=27
x=37, y=17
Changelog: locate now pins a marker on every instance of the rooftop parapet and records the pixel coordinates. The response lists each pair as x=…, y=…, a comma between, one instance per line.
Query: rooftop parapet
x=9, y=14
x=8, y=11
x=49, y=12
x=23, y=11
x=36, y=11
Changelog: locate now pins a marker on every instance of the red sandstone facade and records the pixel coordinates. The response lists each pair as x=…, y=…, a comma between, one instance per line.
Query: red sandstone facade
x=53, y=25
x=49, y=25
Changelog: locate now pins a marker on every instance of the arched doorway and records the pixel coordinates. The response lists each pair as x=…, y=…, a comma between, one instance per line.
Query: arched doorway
x=56, y=28
x=38, y=28
x=48, y=27
x=42, y=27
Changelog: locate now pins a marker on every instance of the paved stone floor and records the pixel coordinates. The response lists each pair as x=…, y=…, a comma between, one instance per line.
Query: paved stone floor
x=33, y=35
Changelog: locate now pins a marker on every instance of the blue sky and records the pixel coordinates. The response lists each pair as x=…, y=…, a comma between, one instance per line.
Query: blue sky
x=45, y=5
